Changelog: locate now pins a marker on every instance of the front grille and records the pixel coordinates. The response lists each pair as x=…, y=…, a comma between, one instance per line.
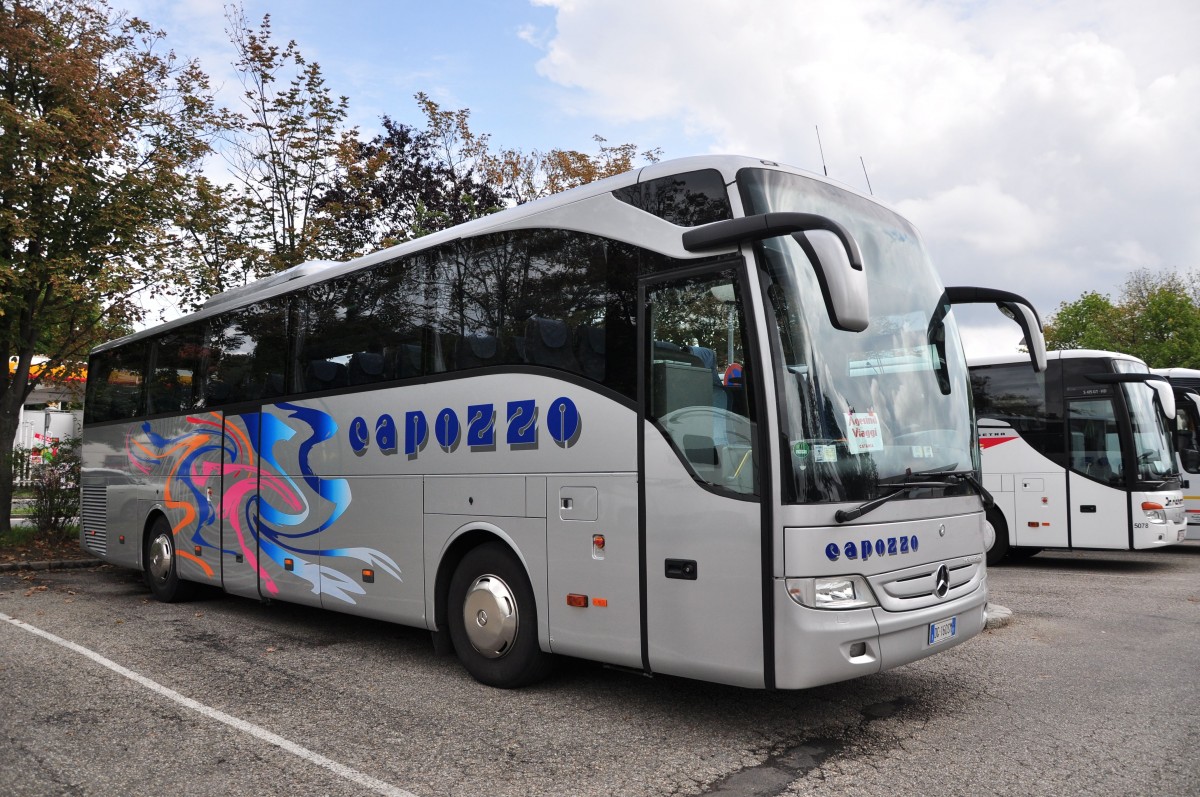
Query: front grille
x=95, y=518
x=913, y=587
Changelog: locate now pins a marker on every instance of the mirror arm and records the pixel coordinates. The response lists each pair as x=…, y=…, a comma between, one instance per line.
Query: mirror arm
x=719, y=234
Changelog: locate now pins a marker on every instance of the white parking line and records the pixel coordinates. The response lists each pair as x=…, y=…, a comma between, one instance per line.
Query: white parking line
x=352, y=775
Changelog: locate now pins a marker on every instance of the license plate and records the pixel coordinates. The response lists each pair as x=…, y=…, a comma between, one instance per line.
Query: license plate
x=943, y=630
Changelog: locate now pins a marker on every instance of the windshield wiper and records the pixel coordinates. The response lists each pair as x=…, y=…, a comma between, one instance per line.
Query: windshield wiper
x=969, y=478
x=951, y=480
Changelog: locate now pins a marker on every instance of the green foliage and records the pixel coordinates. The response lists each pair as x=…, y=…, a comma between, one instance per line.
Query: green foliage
x=286, y=144
x=98, y=132
x=1087, y=323
x=56, y=490
x=1157, y=319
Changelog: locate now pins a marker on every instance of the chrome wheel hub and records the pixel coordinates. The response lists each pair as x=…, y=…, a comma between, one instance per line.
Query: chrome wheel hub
x=490, y=616
x=161, y=555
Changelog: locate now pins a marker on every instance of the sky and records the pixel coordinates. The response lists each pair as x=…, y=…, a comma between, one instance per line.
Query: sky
x=1048, y=148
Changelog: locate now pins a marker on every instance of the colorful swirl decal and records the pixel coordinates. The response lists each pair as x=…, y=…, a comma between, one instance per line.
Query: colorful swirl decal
x=265, y=512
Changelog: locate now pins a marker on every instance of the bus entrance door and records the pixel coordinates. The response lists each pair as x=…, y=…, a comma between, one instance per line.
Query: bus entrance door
x=239, y=511
x=703, y=522
x=1096, y=481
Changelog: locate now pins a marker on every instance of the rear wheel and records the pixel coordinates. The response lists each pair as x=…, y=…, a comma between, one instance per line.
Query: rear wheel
x=493, y=619
x=160, y=567
x=999, y=548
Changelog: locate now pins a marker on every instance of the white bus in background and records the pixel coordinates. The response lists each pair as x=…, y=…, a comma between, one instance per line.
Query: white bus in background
x=1186, y=428
x=710, y=418
x=1079, y=456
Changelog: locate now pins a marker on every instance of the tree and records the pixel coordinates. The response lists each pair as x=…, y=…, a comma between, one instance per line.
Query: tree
x=1156, y=319
x=1086, y=323
x=98, y=131
x=400, y=185
x=525, y=177
x=286, y=146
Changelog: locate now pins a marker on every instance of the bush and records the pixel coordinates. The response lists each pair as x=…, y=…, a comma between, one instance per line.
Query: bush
x=56, y=491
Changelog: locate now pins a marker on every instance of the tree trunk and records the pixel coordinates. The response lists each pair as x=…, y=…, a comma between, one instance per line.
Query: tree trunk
x=8, y=434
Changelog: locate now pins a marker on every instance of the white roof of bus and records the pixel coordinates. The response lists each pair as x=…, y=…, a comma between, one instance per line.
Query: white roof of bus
x=508, y=219
x=1177, y=373
x=1059, y=354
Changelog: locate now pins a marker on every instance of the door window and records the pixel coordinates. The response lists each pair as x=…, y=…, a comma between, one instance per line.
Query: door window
x=1095, y=440
x=697, y=387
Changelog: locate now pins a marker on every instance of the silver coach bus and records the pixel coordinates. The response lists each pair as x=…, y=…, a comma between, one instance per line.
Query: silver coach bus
x=710, y=418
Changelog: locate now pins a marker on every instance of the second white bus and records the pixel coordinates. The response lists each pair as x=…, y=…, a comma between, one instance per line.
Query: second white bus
x=1078, y=456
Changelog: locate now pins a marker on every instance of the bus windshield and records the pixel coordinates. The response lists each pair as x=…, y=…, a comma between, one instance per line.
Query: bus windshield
x=1152, y=443
x=861, y=411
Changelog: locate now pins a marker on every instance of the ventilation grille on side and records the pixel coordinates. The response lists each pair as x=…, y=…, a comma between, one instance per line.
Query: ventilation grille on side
x=95, y=518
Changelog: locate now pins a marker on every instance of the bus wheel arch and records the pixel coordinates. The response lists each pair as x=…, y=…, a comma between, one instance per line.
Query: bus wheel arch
x=999, y=549
x=482, y=576
x=160, y=561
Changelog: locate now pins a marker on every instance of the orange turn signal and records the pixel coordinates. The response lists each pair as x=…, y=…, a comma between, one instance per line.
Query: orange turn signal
x=578, y=601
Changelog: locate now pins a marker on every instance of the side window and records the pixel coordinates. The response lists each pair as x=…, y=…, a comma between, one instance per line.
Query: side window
x=548, y=298
x=687, y=199
x=363, y=328
x=248, y=354
x=1095, y=441
x=697, y=387
x=115, y=386
x=176, y=370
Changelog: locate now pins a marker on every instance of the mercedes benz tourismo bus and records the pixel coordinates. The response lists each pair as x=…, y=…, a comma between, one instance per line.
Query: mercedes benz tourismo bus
x=709, y=418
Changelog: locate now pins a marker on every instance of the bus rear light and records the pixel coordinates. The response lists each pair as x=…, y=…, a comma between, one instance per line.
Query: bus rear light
x=578, y=601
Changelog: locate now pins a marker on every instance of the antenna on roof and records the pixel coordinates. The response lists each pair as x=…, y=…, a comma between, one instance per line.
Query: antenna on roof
x=822, y=150
x=864, y=165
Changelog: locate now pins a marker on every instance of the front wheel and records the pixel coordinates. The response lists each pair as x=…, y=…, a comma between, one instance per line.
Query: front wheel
x=160, y=567
x=999, y=549
x=493, y=619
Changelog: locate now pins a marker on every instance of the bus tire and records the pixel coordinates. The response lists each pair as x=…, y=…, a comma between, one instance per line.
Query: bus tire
x=1016, y=554
x=492, y=619
x=999, y=549
x=160, y=567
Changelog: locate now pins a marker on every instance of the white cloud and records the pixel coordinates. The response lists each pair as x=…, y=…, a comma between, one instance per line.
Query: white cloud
x=1047, y=148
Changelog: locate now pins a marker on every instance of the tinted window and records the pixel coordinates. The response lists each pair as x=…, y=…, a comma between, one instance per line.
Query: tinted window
x=115, y=384
x=249, y=354
x=176, y=370
x=1012, y=393
x=365, y=327
x=547, y=298
x=687, y=199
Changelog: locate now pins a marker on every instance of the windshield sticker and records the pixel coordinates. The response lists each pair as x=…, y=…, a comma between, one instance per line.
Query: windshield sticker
x=823, y=453
x=863, y=432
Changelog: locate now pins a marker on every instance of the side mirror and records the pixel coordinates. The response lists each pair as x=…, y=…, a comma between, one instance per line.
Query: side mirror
x=830, y=246
x=1191, y=460
x=843, y=284
x=1166, y=397
x=1015, y=307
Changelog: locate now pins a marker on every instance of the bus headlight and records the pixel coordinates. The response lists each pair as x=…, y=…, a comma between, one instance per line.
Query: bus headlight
x=1155, y=512
x=832, y=592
